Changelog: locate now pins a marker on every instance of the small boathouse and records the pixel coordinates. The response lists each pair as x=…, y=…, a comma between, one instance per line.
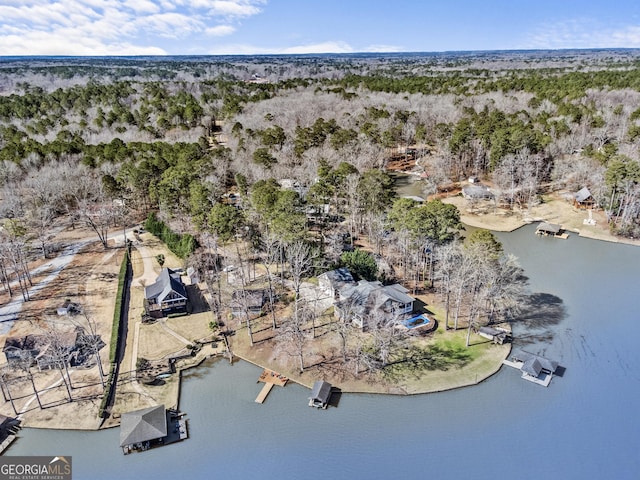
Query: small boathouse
x=151, y=427
x=534, y=368
x=551, y=230
x=320, y=394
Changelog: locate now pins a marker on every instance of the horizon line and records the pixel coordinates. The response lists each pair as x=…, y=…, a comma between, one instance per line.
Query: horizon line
x=416, y=52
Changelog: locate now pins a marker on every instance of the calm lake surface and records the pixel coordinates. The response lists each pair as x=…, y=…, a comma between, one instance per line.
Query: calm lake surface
x=585, y=425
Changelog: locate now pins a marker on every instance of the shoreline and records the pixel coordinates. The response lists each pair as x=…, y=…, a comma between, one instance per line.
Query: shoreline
x=554, y=209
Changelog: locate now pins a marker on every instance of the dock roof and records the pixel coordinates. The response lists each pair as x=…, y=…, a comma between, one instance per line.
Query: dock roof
x=321, y=392
x=548, y=227
x=143, y=425
x=534, y=364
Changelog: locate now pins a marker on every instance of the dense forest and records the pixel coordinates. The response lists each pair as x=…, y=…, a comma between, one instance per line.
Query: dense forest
x=291, y=153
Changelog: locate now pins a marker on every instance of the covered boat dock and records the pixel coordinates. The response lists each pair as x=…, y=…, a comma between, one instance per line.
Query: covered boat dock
x=320, y=394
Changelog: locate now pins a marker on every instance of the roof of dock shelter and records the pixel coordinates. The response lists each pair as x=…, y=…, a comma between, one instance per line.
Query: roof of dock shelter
x=534, y=364
x=143, y=425
x=548, y=227
x=321, y=391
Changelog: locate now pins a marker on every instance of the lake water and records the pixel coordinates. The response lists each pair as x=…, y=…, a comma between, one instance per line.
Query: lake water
x=584, y=425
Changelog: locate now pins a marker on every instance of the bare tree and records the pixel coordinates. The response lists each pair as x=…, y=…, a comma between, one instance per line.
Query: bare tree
x=294, y=337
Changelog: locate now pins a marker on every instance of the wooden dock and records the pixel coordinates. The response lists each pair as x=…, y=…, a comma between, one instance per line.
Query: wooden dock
x=7, y=441
x=269, y=378
x=262, y=396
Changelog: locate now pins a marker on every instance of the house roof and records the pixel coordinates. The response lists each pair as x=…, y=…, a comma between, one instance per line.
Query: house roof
x=338, y=278
x=365, y=297
x=254, y=298
x=583, y=194
x=143, y=425
x=476, y=191
x=321, y=391
x=167, y=281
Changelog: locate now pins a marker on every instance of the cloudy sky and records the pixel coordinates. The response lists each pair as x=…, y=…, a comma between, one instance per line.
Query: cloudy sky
x=174, y=27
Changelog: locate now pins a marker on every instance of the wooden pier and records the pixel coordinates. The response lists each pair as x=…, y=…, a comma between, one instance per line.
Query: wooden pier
x=7, y=441
x=269, y=378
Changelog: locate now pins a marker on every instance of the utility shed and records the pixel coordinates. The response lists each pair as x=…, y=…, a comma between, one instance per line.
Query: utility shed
x=142, y=426
x=320, y=394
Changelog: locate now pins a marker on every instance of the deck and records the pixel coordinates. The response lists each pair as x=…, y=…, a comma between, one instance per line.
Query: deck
x=269, y=378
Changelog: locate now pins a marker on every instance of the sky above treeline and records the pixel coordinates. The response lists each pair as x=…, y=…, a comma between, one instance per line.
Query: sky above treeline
x=212, y=27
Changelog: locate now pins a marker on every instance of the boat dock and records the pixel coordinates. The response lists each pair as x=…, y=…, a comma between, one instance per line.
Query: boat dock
x=5, y=444
x=534, y=368
x=551, y=230
x=269, y=378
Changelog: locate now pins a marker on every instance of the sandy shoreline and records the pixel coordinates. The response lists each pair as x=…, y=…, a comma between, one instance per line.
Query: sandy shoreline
x=554, y=209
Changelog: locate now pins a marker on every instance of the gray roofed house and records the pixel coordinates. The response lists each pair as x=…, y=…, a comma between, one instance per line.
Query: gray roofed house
x=477, y=192
x=167, y=295
x=332, y=281
x=583, y=198
x=320, y=394
x=366, y=301
x=142, y=426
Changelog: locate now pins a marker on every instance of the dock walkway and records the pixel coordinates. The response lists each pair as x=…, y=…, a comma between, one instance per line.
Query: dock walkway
x=7, y=441
x=269, y=378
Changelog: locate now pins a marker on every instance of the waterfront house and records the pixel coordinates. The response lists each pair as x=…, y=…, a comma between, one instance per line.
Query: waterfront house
x=166, y=296
x=320, y=394
x=332, y=281
x=584, y=199
x=366, y=303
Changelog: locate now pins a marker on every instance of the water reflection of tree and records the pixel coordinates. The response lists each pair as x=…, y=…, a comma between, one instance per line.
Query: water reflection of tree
x=539, y=313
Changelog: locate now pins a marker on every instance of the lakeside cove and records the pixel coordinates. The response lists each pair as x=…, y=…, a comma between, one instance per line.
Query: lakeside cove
x=601, y=382
x=474, y=370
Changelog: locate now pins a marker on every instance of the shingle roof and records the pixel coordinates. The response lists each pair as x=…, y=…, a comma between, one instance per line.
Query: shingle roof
x=366, y=296
x=167, y=281
x=583, y=194
x=548, y=227
x=535, y=363
x=338, y=277
x=143, y=425
x=321, y=391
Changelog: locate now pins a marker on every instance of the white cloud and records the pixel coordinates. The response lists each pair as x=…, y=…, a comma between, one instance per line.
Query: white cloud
x=383, y=48
x=321, y=47
x=583, y=33
x=110, y=27
x=220, y=30
x=235, y=8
